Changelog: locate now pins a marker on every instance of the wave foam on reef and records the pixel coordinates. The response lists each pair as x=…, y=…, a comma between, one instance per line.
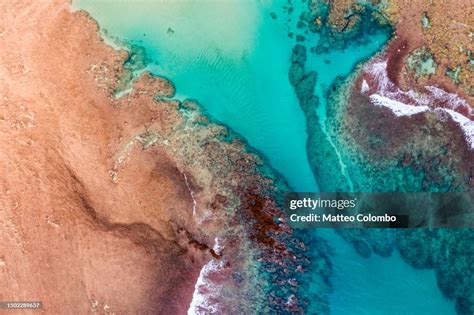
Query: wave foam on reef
x=206, y=291
x=398, y=108
x=383, y=92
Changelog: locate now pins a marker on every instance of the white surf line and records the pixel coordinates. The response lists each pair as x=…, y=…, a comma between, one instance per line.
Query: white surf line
x=341, y=163
x=388, y=93
x=400, y=109
x=205, y=289
x=322, y=122
x=364, y=88
x=466, y=125
x=191, y=192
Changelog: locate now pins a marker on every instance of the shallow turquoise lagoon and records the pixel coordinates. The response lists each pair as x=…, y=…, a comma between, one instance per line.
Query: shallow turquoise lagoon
x=233, y=57
x=230, y=56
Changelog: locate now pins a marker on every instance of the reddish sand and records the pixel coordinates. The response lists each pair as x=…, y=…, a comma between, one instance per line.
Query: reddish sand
x=75, y=235
x=448, y=38
x=115, y=205
x=444, y=28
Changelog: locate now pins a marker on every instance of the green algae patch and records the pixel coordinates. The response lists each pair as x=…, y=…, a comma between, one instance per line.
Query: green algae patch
x=425, y=21
x=421, y=62
x=454, y=74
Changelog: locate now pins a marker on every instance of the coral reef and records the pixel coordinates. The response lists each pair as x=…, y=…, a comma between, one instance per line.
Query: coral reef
x=450, y=253
x=443, y=28
x=320, y=150
x=396, y=124
x=421, y=151
x=106, y=175
x=341, y=22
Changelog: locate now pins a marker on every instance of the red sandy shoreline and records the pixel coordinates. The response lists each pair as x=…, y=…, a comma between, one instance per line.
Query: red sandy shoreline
x=112, y=205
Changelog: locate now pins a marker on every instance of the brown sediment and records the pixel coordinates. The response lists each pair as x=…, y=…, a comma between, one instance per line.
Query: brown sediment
x=397, y=51
x=110, y=205
x=447, y=35
x=73, y=237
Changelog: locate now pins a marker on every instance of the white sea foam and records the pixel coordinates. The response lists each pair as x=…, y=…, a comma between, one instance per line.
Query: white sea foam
x=218, y=247
x=466, y=125
x=408, y=103
x=452, y=99
x=206, y=291
x=385, y=87
x=191, y=192
x=364, y=88
x=398, y=108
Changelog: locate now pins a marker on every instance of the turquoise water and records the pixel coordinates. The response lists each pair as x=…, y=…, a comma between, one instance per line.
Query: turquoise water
x=233, y=57
x=339, y=63
x=382, y=286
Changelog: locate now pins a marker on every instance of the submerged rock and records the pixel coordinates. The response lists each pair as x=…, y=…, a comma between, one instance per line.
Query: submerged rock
x=299, y=55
